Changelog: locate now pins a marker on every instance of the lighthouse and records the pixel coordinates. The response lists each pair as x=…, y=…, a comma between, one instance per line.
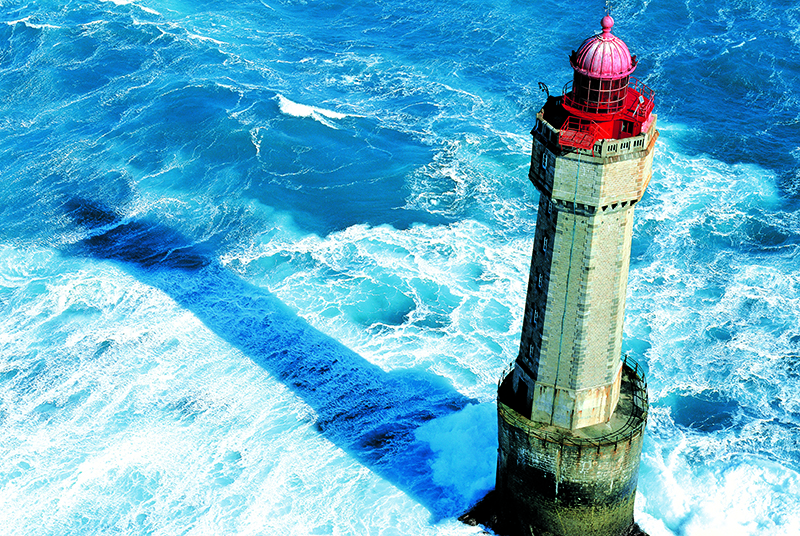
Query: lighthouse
x=572, y=410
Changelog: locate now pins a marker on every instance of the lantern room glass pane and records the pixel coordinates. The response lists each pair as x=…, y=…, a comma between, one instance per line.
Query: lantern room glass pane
x=596, y=95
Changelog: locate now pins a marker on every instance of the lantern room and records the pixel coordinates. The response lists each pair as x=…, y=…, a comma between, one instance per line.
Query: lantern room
x=603, y=100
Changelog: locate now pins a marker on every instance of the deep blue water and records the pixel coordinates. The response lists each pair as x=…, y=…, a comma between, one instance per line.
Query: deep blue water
x=262, y=263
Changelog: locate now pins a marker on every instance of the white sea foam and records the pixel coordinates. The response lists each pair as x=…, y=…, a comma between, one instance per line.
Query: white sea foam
x=27, y=22
x=129, y=422
x=205, y=38
x=719, y=327
x=465, y=445
x=444, y=299
x=707, y=492
x=302, y=110
x=132, y=2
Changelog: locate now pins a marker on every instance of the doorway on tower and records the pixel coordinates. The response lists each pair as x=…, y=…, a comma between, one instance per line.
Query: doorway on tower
x=626, y=129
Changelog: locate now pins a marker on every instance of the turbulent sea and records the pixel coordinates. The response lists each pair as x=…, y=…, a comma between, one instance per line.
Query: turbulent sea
x=262, y=263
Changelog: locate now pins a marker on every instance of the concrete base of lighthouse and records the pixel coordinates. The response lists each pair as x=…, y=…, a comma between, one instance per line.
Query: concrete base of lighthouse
x=557, y=482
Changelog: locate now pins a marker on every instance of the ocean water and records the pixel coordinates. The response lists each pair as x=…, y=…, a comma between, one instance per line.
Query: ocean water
x=262, y=263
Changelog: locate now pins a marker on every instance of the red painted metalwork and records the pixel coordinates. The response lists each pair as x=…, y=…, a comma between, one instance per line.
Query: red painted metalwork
x=596, y=95
x=604, y=56
x=603, y=100
x=577, y=133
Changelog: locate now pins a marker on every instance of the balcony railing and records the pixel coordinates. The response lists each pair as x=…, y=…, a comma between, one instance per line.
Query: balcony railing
x=634, y=386
x=602, y=147
x=578, y=133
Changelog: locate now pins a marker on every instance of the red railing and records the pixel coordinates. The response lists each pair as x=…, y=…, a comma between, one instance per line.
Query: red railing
x=639, y=102
x=642, y=89
x=600, y=97
x=577, y=133
x=635, y=108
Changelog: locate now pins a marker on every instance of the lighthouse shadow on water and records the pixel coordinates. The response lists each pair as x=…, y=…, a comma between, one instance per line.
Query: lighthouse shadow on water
x=370, y=413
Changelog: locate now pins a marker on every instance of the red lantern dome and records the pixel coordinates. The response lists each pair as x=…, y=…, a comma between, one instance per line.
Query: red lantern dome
x=604, y=55
x=603, y=100
x=602, y=67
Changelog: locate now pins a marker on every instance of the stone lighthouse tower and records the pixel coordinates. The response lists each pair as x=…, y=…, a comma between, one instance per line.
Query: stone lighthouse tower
x=572, y=411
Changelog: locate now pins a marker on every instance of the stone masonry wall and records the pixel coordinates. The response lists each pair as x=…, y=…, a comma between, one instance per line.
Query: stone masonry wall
x=569, y=358
x=567, y=485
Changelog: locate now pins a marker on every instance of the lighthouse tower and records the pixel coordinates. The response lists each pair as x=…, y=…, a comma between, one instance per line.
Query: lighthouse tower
x=572, y=411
